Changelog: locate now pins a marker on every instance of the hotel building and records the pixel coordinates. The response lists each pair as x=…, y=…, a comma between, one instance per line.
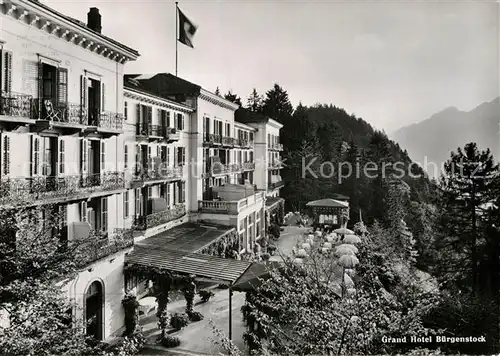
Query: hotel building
x=134, y=162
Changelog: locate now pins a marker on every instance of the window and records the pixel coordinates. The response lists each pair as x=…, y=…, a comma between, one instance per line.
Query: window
x=168, y=118
x=125, y=110
x=181, y=156
x=228, y=129
x=180, y=121
x=183, y=192
x=125, y=205
x=83, y=211
x=125, y=157
x=138, y=202
x=251, y=136
x=168, y=197
x=257, y=229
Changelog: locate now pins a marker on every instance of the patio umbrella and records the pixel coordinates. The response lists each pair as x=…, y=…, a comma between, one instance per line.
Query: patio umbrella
x=301, y=253
x=348, y=261
x=343, y=231
x=298, y=261
x=343, y=251
x=327, y=245
x=352, y=247
x=351, y=239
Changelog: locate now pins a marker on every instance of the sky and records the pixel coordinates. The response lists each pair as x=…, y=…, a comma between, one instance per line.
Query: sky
x=393, y=63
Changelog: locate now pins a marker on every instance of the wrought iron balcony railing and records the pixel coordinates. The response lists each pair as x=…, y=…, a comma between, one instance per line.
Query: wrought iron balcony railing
x=29, y=189
x=243, y=142
x=169, y=133
x=160, y=172
x=212, y=139
x=144, y=222
x=99, y=245
x=220, y=168
x=108, y=120
x=16, y=105
x=227, y=141
x=248, y=166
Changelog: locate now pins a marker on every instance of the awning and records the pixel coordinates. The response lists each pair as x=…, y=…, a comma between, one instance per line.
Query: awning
x=205, y=266
x=254, y=276
x=273, y=202
x=187, y=237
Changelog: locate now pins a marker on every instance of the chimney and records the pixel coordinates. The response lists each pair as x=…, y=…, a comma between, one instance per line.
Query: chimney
x=94, y=19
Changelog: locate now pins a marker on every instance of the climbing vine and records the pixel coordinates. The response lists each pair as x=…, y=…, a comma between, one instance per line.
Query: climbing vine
x=131, y=306
x=226, y=247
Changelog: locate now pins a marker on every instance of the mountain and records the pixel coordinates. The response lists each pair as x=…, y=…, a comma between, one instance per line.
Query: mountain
x=449, y=129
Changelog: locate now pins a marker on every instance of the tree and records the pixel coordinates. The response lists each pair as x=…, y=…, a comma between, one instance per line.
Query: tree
x=233, y=98
x=277, y=106
x=255, y=101
x=467, y=186
x=217, y=91
x=33, y=257
x=298, y=310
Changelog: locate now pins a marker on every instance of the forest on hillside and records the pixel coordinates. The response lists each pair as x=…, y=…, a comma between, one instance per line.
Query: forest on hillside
x=448, y=229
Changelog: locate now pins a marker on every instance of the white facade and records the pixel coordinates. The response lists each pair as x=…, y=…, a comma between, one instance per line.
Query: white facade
x=60, y=140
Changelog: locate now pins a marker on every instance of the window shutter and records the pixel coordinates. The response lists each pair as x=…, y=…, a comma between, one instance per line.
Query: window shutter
x=6, y=71
x=103, y=155
x=35, y=156
x=159, y=116
x=6, y=156
x=168, y=156
x=40, y=88
x=83, y=211
x=138, y=114
x=62, y=85
x=150, y=116
x=62, y=155
x=183, y=155
x=158, y=151
x=84, y=144
x=125, y=158
x=83, y=98
x=168, y=118
x=103, y=97
x=183, y=187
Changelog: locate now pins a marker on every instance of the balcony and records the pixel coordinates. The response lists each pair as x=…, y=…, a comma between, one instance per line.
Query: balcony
x=248, y=166
x=243, y=143
x=276, y=147
x=218, y=168
x=157, y=132
x=98, y=246
x=16, y=107
x=212, y=139
x=144, y=222
x=276, y=185
x=159, y=174
x=227, y=141
x=14, y=191
x=229, y=207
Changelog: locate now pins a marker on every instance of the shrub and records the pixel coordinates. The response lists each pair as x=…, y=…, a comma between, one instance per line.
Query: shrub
x=266, y=256
x=170, y=341
x=195, y=316
x=205, y=295
x=178, y=321
x=131, y=306
x=129, y=345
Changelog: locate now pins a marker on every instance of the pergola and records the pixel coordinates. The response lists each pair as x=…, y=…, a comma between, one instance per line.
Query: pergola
x=191, y=250
x=329, y=211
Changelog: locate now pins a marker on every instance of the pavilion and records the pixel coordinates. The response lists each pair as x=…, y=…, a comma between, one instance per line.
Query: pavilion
x=329, y=212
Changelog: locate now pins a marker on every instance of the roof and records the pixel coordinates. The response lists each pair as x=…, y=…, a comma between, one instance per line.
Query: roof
x=246, y=116
x=330, y=203
x=212, y=267
x=340, y=197
x=83, y=26
x=188, y=237
x=164, y=85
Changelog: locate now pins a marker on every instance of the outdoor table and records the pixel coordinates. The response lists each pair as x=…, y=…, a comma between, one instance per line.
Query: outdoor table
x=146, y=304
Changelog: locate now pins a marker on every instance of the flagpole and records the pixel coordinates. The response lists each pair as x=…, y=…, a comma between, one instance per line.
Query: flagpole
x=176, y=35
